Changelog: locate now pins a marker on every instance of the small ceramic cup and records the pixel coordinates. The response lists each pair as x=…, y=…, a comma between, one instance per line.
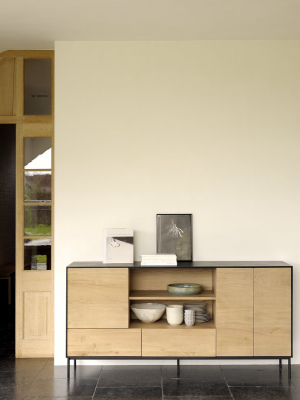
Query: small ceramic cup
x=189, y=317
x=175, y=314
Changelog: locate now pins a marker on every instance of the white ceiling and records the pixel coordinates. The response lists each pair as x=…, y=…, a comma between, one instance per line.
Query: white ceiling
x=36, y=24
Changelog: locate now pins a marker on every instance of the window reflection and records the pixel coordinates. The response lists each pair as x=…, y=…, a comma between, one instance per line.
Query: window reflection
x=37, y=153
x=37, y=220
x=37, y=186
x=37, y=87
x=37, y=254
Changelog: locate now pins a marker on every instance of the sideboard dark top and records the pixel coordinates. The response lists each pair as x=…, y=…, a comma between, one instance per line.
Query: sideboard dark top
x=184, y=264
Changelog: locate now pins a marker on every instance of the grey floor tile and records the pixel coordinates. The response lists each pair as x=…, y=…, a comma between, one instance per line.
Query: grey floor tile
x=195, y=387
x=255, y=377
x=19, y=378
x=131, y=367
x=59, y=398
x=21, y=364
x=62, y=388
x=130, y=377
x=212, y=397
x=60, y=372
x=129, y=393
x=265, y=393
x=13, y=393
x=192, y=371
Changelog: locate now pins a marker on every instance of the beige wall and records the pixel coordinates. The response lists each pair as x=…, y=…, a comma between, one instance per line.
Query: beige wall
x=210, y=128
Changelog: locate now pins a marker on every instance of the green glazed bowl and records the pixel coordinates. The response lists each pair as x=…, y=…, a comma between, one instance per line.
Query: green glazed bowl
x=184, y=289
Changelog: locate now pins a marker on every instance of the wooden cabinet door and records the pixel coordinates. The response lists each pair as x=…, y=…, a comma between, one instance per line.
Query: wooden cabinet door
x=272, y=312
x=234, y=312
x=98, y=298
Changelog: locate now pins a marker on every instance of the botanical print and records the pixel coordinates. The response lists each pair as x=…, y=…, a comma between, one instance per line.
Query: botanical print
x=174, y=235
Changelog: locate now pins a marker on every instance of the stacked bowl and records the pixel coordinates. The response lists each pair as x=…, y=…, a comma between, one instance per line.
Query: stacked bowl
x=201, y=314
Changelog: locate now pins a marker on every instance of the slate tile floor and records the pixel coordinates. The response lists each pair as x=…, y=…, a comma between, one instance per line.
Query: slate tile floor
x=39, y=379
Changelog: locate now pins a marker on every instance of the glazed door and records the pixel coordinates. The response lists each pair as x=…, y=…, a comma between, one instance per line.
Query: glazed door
x=34, y=269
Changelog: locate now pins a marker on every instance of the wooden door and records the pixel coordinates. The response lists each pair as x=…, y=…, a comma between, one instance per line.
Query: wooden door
x=234, y=312
x=98, y=298
x=272, y=312
x=34, y=270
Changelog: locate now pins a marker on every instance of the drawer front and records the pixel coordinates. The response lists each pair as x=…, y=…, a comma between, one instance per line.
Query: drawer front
x=178, y=343
x=104, y=342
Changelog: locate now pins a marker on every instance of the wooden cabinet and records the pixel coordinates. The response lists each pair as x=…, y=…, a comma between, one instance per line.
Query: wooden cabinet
x=98, y=298
x=234, y=312
x=250, y=306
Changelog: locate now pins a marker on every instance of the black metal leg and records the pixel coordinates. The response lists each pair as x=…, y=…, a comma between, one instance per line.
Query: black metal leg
x=178, y=369
x=289, y=369
x=280, y=365
x=74, y=365
x=68, y=371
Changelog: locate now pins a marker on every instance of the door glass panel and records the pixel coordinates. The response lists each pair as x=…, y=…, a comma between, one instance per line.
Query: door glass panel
x=37, y=220
x=37, y=186
x=37, y=87
x=37, y=153
x=37, y=254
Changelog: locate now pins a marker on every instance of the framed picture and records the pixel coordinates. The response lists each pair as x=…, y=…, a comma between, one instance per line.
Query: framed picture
x=174, y=235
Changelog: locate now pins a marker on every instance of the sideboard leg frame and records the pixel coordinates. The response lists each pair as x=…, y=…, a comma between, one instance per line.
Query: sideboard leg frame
x=74, y=365
x=289, y=369
x=178, y=368
x=68, y=369
x=280, y=365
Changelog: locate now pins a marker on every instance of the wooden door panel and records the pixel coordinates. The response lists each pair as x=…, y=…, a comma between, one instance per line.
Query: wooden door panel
x=98, y=298
x=234, y=312
x=272, y=312
x=6, y=86
x=37, y=315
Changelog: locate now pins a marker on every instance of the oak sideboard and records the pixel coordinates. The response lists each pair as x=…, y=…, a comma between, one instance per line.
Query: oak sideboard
x=250, y=304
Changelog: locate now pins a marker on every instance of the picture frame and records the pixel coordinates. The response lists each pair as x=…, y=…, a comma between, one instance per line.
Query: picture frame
x=174, y=235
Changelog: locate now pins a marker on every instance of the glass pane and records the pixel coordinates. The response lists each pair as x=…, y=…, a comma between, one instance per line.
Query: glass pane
x=37, y=87
x=37, y=220
x=37, y=254
x=37, y=186
x=37, y=153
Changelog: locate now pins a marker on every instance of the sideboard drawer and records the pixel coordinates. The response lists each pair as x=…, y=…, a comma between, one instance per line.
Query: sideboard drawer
x=104, y=342
x=179, y=342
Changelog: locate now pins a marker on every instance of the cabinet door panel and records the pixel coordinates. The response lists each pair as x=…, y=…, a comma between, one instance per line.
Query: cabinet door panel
x=272, y=312
x=104, y=342
x=6, y=86
x=178, y=343
x=98, y=298
x=234, y=312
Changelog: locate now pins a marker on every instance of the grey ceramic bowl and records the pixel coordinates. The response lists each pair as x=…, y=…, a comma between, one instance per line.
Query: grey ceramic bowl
x=184, y=289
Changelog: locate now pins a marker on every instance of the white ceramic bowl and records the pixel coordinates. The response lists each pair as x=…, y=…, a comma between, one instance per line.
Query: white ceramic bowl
x=148, y=312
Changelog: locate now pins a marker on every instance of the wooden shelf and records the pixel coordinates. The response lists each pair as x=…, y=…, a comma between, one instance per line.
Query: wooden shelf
x=163, y=324
x=164, y=295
